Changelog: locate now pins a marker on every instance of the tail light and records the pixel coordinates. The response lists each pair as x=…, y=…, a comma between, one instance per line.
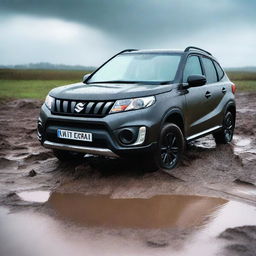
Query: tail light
x=233, y=88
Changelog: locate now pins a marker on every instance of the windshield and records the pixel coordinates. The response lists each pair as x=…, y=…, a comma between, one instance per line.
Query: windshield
x=146, y=67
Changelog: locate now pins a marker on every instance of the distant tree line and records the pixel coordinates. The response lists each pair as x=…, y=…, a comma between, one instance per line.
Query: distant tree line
x=47, y=65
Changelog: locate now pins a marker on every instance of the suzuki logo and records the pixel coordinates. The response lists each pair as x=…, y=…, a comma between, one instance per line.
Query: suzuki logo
x=79, y=107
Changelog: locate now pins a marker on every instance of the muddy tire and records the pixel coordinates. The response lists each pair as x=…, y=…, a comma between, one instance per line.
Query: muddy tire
x=171, y=147
x=226, y=134
x=65, y=156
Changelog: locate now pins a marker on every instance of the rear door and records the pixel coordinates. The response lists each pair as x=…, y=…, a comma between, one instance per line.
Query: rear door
x=214, y=92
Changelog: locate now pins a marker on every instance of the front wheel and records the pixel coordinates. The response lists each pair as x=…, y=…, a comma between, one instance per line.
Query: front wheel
x=171, y=146
x=226, y=134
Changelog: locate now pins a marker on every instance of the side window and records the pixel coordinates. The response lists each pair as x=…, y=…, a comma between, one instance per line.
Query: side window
x=219, y=70
x=193, y=67
x=210, y=71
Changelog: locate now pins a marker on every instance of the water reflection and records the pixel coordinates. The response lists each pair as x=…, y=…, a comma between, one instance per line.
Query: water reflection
x=161, y=211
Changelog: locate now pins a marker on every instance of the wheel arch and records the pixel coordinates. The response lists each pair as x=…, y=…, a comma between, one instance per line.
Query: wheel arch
x=175, y=116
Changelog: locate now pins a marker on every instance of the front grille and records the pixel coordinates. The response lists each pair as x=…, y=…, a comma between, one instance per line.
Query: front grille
x=76, y=124
x=82, y=108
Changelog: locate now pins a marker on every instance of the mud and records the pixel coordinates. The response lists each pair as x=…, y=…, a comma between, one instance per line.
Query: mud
x=242, y=240
x=34, y=185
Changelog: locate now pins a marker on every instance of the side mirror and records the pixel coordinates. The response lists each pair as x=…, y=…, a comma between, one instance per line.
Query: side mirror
x=196, y=80
x=86, y=77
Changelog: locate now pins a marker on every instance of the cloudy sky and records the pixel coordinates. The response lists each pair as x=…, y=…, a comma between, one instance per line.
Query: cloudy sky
x=86, y=32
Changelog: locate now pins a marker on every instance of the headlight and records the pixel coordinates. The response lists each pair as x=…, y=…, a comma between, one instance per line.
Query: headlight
x=132, y=104
x=48, y=101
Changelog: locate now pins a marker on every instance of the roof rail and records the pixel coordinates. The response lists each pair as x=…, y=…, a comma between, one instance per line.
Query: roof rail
x=128, y=50
x=196, y=48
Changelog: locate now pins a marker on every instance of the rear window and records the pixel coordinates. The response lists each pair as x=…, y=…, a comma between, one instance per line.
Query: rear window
x=219, y=70
x=210, y=71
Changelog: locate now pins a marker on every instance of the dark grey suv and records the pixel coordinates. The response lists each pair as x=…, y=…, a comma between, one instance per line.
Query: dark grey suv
x=145, y=103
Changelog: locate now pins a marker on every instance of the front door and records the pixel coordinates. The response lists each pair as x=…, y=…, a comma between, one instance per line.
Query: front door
x=196, y=98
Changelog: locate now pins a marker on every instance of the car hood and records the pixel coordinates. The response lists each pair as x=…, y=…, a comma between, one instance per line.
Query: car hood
x=105, y=91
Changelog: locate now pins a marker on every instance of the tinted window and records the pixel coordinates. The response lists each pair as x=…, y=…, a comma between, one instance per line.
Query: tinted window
x=210, y=71
x=219, y=70
x=193, y=67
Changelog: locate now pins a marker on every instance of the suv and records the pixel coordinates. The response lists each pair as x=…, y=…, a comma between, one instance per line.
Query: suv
x=146, y=103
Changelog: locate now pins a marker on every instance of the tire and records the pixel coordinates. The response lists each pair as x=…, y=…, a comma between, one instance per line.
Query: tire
x=171, y=147
x=226, y=134
x=65, y=156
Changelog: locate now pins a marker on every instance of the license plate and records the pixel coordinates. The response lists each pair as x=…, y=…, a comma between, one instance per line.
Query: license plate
x=74, y=135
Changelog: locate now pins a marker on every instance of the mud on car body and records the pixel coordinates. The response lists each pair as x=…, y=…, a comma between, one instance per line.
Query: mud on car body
x=141, y=103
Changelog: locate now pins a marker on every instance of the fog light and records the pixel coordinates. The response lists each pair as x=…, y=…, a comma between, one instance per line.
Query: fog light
x=127, y=136
x=39, y=130
x=141, y=136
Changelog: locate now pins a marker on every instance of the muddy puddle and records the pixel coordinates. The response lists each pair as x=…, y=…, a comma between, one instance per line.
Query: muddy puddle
x=77, y=224
x=161, y=211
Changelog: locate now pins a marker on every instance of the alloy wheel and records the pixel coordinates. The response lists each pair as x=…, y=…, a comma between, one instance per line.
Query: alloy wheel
x=228, y=127
x=169, y=151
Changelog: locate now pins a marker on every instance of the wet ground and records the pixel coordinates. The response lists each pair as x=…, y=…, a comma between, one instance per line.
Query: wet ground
x=112, y=207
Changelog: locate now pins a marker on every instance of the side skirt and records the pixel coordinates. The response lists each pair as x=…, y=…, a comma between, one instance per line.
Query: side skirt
x=204, y=133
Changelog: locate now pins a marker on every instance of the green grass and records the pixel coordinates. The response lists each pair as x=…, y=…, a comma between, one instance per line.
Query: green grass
x=28, y=74
x=30, y=89
x=241, y=76
x=245, y=85
x=35, y=84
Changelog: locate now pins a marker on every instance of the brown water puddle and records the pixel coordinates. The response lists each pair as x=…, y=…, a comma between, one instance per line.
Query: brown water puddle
x=161, y=211
x=184, y=225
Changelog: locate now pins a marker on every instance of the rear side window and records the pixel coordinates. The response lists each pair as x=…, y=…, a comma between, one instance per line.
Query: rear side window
x=210, y=71
x=193, y=67
x=219, y=70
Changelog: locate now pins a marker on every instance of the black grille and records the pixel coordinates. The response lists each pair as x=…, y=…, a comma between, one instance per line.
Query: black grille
x=82, y=108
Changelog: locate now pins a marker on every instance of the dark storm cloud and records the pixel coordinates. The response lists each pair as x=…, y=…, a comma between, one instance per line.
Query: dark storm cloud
x=89, y=31
x=141, y=20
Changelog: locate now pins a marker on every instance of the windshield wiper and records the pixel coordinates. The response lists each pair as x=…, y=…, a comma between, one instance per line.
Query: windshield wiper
x=166, y=82
x=115, y=81
x=130, y=82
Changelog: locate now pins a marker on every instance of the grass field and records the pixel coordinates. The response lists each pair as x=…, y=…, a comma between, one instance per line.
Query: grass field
x=29, y=89
x=36, y=84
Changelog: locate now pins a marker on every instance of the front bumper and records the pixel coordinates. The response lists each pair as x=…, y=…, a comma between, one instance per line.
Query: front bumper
x=82, y=149
x=105, y=141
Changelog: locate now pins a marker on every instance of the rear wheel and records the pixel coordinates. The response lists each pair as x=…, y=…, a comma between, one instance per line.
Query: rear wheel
x=226, y=134
x=65, y=156
x=171, y=146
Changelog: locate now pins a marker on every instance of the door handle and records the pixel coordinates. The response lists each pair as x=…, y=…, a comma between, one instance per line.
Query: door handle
x=208, y=94
x=224, y=90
